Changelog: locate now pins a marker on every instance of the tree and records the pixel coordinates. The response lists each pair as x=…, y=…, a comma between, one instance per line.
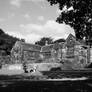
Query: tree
x=59, y=40
x=44, y=40
x=6, y=42
x=23, y=40
x=77, y=14
x=1, y=31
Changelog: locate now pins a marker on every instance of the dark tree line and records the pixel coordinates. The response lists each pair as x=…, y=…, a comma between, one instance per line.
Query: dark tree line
x=48, y=40
x=6, y=42
x=45, y=40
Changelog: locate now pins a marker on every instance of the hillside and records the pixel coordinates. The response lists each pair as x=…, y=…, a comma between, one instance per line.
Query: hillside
x=6, y=42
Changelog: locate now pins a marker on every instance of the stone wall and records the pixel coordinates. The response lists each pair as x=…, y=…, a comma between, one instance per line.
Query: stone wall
x=31, y=56
x=43, y=66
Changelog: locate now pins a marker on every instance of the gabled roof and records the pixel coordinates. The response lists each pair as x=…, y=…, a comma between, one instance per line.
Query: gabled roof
x=17, y=44
x=72, y=39
x=27, y=46
x=48, y=48
x=31, y=47
x=70, y=36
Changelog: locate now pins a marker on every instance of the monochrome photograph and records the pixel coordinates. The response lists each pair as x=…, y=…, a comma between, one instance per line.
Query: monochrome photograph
x=45, y=45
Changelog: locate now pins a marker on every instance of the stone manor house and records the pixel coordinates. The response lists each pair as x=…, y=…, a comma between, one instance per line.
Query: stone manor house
x=71, y=51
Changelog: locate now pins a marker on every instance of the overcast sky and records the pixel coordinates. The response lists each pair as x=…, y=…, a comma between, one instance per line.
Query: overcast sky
x=31, y=20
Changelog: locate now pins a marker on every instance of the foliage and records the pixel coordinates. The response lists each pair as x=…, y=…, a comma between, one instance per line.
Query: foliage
x=1, y=31
x=44, y=40
x=23, y=40
x=89, y=66
x=6, y=42
x=59, y=40
x=5, y=60
x=77, y=14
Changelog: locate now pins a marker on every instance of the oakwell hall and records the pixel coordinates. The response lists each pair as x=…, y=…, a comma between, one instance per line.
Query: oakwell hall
x=71, y=51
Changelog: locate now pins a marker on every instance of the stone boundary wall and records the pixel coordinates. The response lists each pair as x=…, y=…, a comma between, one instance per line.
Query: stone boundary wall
x=43, y=66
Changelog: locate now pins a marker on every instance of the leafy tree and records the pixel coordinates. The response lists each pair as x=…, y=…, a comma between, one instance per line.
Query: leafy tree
x=1, y=31
x=6, y=42
x=59, y=40
x=23, y=40
x=44, y=40
x=77, y=14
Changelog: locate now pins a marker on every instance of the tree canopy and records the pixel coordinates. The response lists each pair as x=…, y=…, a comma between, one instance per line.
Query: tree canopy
x=59, y=40
x=6, y=42
x=1, y=31
x=77, y=14
x=45, y=40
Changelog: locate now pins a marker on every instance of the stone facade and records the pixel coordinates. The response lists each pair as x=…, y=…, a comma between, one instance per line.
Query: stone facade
x=22, y=52
x=72, y=51
x=75, y=52
x=52, y=53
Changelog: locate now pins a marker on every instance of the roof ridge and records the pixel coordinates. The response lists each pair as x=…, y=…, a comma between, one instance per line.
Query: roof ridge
x=31, y=44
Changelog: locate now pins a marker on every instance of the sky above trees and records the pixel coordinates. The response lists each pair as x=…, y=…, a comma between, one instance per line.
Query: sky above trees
x=31, y=20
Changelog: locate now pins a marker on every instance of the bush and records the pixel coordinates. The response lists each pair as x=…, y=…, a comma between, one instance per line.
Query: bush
x=56, y=69
x=5, y=60
x=39, y=61
x=0, y=66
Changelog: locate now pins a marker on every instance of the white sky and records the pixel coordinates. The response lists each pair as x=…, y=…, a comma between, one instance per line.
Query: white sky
x=31, y=20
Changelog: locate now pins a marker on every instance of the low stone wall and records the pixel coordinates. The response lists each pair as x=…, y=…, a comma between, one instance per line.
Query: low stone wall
x=15, y=67
x=43, y=66
x=11, y=69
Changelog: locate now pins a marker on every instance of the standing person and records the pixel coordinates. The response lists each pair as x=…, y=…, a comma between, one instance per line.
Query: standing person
x=0, y=65
x=25, y=67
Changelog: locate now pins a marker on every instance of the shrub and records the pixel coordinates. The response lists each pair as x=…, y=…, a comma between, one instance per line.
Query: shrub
x=56, y=69
x=5, y=60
